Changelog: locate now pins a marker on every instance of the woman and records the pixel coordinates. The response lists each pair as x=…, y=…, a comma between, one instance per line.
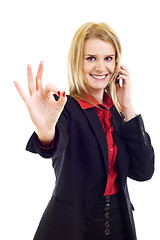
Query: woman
x=94, y=138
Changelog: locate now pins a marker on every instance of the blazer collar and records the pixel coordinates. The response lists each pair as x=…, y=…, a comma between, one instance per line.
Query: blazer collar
x=107, y=102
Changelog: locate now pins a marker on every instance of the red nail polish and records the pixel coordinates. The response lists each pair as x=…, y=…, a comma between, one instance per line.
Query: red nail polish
x=59, y=93
x=64, y=94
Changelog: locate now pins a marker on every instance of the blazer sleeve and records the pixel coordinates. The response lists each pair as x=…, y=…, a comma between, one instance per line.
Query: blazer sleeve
x=140, y=150
x=60, y=141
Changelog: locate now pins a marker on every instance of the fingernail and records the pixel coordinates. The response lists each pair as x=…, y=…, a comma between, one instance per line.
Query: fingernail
x=64, y=94
x=59, y=93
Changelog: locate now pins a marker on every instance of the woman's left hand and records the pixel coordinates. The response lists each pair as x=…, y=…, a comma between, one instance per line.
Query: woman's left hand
x=124, y=94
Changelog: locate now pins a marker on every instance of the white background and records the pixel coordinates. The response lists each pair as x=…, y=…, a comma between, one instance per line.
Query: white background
x=35, y=30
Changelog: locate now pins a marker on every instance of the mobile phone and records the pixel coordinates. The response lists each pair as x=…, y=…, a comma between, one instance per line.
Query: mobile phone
x=117, y=80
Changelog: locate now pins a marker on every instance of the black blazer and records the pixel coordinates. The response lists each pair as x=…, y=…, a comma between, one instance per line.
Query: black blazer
x=80, y=162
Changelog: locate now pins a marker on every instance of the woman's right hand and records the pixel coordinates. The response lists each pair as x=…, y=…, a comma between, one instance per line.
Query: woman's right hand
x=43, y=109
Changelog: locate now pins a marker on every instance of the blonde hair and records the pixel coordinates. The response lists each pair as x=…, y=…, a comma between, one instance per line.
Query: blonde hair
x=75, y=58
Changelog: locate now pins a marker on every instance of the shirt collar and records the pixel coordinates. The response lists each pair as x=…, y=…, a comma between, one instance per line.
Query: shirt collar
x=107, y=102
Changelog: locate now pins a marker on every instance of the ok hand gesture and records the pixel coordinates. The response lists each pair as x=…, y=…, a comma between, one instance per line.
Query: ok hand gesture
x=43, y=109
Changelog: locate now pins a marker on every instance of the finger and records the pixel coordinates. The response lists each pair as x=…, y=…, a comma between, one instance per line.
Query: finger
x=51, y=88
x=123, y=67
x=21, y=92
x=124, y=74
x=124, y=70
x=62, y=96
x=62, y=100
x=31, y=85
x=39, y=76
x=125, y=81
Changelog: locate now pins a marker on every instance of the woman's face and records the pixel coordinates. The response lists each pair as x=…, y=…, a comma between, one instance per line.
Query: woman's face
x=98, y=66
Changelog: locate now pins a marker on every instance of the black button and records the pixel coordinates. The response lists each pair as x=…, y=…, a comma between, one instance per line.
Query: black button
x=106, y=224
x=106, y=215
x=107, y=207
x=107, y=231
x=107, y=199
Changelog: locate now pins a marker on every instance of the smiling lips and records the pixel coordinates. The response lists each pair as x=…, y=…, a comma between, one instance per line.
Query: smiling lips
x=99, y=77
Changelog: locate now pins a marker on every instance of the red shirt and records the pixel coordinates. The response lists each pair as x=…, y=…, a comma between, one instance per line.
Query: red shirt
x=105, y=118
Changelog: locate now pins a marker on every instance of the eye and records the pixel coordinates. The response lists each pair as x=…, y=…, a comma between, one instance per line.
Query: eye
x=108, y=58
x=91, y=59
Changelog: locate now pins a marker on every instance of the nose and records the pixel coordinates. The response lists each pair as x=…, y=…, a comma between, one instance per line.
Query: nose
x=100, y=66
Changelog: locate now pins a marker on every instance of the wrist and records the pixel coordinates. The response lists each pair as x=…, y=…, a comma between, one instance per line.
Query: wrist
x=46, y=138
x=128, y=113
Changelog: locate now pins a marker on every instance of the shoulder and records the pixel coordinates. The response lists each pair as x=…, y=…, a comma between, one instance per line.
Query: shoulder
x=71, y=110
x=72, y=105
x=72, y=101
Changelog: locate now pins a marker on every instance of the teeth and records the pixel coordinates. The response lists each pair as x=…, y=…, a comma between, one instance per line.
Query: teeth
x=98, y=77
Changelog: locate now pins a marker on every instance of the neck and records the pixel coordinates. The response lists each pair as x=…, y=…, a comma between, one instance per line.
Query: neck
x=98, y=96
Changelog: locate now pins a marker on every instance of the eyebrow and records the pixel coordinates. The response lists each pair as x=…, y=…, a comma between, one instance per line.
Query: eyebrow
x=93, y=55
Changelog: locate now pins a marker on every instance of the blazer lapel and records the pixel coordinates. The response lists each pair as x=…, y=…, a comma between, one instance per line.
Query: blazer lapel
x=99, y=132
x=97, y=128
x=122, y=163
x=116, y=119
